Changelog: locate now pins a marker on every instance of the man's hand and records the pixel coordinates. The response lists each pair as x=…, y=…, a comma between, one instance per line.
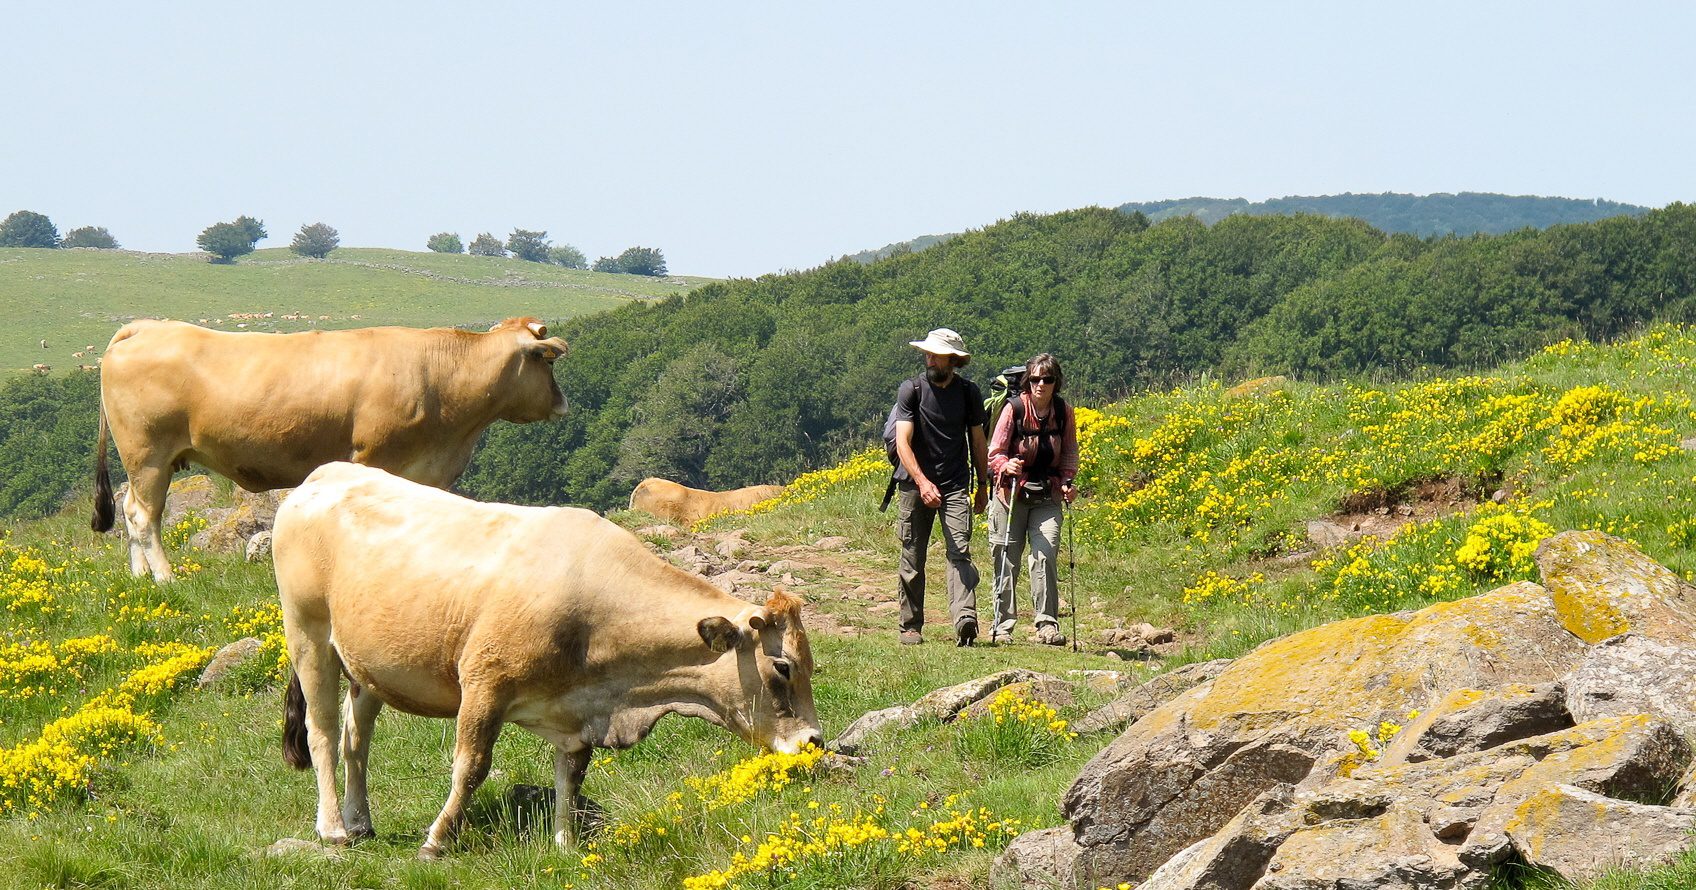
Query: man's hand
x=1068, y=492
x=930, y=494
x=1014, y=466
x=980, y=501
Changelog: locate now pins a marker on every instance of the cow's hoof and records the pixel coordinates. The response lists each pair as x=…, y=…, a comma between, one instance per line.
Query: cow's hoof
x=430, y=853
x=361, y=833
x=334, y=838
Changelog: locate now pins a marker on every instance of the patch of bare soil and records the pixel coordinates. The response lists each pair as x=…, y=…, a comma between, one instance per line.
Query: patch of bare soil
x=847, y=592
x=1381, y=513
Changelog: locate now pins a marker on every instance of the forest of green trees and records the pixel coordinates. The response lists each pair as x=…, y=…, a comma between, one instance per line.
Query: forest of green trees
x=754, y=380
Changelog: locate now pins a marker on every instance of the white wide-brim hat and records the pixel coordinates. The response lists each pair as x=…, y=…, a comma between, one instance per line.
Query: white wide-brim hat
x=943, y=341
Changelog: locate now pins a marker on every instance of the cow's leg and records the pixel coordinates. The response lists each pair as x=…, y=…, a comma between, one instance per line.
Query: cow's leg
x=362, y=708
x=316, y=665
x=569, y=767
x=476, y=730
x=144, y=513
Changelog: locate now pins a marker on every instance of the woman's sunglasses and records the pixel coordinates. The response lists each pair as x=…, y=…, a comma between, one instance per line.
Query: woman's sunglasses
x=1040, y=379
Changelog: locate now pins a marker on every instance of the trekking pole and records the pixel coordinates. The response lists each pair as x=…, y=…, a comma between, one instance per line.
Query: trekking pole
x=1071, y=570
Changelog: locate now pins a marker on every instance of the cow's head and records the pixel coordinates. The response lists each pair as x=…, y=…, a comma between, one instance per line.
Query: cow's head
x=770, y=700
x=533, y=393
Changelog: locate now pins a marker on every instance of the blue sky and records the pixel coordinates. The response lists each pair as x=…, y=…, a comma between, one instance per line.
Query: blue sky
x=749, y=138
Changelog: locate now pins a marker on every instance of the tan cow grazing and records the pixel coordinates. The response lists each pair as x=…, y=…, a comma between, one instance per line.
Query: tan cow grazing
x=680, y=503
x=548, y=617
x=267, y=409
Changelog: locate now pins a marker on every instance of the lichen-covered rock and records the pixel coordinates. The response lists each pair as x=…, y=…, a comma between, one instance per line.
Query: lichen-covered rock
x=1633, y=674
x=259, y=546
x=1468, y=720
x=228, y=528
x=1055, y=693
x=226, y=660
x=854, y=736
x=1438, y=823
x=1178, y=774
x=1256, y=387
x=1579, y=834
x=1037, y=860
x=1603, y=586
x=1131, y=706
x=945, y=703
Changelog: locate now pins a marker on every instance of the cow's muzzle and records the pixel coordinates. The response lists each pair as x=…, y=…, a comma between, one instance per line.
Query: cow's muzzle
x=794, y=742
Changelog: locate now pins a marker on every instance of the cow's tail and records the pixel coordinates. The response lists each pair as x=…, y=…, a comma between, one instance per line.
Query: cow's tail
x=104, y=512
x=296, y=753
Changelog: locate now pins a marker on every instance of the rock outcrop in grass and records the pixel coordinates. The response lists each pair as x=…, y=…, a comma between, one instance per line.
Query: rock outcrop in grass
x=1418, y=749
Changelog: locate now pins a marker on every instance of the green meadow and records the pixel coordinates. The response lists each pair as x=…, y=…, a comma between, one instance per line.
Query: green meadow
x=114, y=772
x=75, y=299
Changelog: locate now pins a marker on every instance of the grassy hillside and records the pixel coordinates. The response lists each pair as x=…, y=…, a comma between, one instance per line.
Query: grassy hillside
x=77, y=298
x=114, y=774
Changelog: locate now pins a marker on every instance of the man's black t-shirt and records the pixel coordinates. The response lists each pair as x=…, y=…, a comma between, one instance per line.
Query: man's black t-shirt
x=942, y=418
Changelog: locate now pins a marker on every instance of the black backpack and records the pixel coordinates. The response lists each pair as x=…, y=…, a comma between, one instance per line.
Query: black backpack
x=899, y=474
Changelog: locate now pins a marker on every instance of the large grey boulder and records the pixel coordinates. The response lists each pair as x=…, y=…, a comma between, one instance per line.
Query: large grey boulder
x=1579, y=835
x=1037, y=860
x=1438, y=823
x=1130, y=707
x=1469, y=720
x=1635, y=674
x=1187, y=767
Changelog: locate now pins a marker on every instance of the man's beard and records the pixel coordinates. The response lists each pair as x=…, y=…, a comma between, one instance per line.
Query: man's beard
x=939, y=375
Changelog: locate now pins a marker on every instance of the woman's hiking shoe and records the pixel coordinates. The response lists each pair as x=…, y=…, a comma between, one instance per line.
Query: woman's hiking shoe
x=911, y=638
x=966, y=634
x=1050, y=635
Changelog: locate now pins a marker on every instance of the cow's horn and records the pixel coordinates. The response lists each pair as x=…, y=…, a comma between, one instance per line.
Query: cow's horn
x=539, y=329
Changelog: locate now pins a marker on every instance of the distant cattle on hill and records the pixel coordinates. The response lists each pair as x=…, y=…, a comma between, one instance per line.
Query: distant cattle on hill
x=265, y=410
x=680, y=503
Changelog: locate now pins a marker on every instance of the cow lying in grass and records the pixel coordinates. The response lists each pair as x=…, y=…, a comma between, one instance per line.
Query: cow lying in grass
x=680, y=503
x=551, y=618
x=266, y=409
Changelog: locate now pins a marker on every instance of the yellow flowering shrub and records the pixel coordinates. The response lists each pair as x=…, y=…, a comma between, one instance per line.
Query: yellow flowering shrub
x=1014, y=729
x=1501, y=544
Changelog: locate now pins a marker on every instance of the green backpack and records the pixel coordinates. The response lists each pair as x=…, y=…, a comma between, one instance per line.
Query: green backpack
x=1008, y=384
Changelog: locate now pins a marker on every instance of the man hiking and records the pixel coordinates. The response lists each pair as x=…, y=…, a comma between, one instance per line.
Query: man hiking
x=939, y=417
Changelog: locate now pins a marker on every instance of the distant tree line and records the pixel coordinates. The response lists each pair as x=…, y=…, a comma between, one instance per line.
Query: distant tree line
x=525, y=244
x=751, y=381
x=26, y=228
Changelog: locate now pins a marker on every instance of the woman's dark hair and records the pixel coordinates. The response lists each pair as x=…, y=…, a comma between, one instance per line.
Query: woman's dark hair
x=1046, y=365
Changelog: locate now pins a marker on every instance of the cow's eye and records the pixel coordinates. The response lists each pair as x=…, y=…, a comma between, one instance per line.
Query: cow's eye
x=782, y=668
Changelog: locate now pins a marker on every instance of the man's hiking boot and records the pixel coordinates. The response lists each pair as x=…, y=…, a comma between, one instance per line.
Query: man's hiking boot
x=967, y=633
x=1050, y=635
x=996, y=638
x=911, y=638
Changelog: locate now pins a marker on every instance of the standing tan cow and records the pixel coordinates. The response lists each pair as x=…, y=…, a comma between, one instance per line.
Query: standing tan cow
x=680, y=503
x=548, y=617
x=266, y=409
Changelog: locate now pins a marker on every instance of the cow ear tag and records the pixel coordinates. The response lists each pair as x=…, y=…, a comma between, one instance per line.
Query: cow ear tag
x=718, y=633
